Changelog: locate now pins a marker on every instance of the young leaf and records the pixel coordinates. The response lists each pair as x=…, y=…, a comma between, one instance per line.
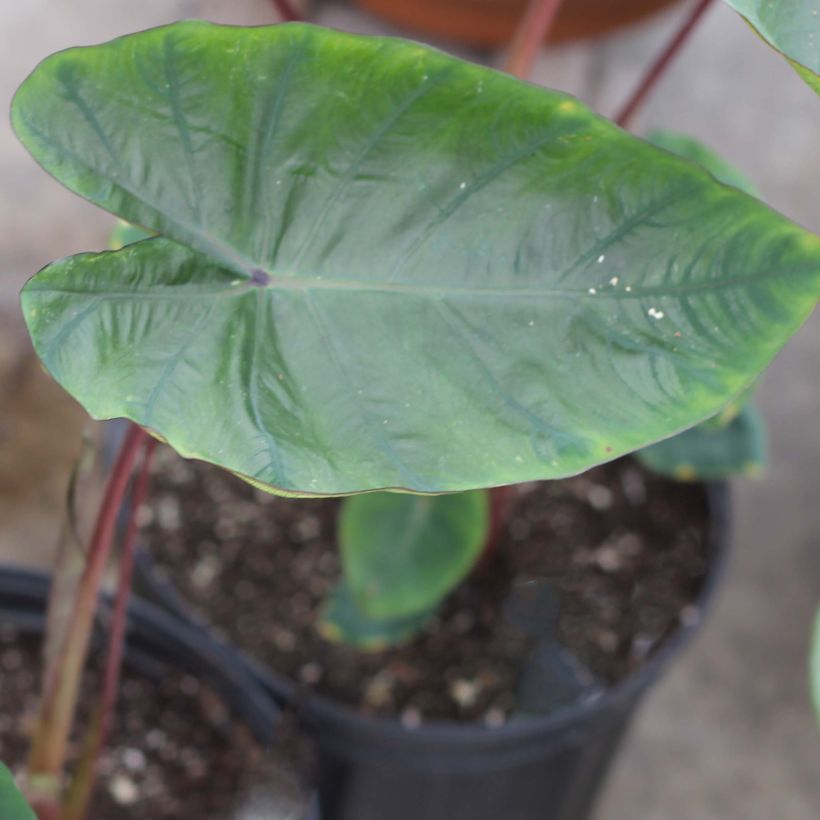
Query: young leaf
x=691, y=149
x=12, y=804
x=125, y=233
x=342, y=621
x=790, y=26
x=731, y=411
x=709, y=453
x=381, y=267
x=814, y=666
x=403, y=553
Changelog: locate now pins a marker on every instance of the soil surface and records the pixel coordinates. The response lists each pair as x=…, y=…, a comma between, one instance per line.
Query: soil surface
x=624, y=549
x=175, y=752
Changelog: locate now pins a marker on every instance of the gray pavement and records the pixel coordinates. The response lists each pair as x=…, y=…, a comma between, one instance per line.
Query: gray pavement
x=728, y=734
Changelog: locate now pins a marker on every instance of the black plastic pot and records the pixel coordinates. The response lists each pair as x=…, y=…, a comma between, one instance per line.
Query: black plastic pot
x=156, y=642
x=538, y=768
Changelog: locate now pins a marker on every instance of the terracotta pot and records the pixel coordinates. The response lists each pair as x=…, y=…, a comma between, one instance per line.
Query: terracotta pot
x=492, y=22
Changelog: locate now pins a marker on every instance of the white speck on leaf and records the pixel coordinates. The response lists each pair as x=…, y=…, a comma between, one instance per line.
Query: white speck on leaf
x=614, y=281
x=463, y=185
x=601, y=258
x=593, y=291
x=655, y=313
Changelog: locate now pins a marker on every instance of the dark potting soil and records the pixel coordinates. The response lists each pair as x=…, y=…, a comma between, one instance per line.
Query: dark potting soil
x=625, y=549
x=175, y=751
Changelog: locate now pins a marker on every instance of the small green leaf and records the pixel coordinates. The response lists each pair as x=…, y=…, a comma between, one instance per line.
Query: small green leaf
x=814, y=666
x=706, y=453
x=403, y=553
x=12, y=804
x=341, y=621
x=812, y=79
x=692, y=149
x=127, y=234
x=731, y=411
x=380, y=267
x=790, y=26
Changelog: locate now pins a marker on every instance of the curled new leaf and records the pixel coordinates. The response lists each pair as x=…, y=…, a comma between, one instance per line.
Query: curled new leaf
x=342, y=620
x=403, y=553
x=381, y=267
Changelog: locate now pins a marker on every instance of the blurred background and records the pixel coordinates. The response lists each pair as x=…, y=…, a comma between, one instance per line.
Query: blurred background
x=729, y=734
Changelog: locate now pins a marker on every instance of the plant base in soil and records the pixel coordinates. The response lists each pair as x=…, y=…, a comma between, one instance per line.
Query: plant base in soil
x=624, y=549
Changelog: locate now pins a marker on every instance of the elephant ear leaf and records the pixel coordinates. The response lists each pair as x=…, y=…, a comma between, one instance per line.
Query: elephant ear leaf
x=380, y=267
x=12, y=804
x=709, y=453
x=790, y=26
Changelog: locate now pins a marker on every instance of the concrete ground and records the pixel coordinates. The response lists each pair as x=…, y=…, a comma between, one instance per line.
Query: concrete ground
x=729, y=734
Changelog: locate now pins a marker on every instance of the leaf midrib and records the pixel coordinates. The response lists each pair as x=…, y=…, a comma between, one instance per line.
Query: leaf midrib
x=185, y=292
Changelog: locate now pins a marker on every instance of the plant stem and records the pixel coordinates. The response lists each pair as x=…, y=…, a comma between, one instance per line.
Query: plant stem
x=286, y=11
x=48, y=751
x=529, y=35
x=82, y=787
x=501, y=502
x=661, y=64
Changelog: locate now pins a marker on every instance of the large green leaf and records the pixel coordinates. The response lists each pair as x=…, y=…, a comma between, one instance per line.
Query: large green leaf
x=382, y=267
x=790, y=26
x=710, y=453
x=403, y=553
x=12, y=804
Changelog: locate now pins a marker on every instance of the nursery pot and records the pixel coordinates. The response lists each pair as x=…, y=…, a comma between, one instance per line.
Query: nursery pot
x=156, y=643
x=489, y=23
x=535, y=768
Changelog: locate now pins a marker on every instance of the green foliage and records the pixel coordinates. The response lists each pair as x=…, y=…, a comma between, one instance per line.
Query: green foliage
x=814, y=665
x=711, y=453
x=12, y=804
x=732, y=442
x=733, y=409
x=342, y=620
x=790, y=26
x=403, y=553
x=126, y=234
x=691, y=149
x=382, y=267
